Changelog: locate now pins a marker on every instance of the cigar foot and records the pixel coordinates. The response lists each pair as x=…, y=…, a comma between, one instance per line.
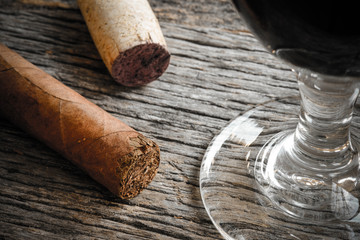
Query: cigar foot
x=138, y=168
x=140, y=65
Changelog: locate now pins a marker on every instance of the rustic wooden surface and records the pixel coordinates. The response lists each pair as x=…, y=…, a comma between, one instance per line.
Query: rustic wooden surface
x=217, y=70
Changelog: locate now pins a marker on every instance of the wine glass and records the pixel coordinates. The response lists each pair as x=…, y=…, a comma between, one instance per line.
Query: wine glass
x=269, y=173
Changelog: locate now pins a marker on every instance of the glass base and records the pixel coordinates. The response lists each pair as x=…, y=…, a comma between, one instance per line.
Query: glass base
x=248, y=194
x=303, y=190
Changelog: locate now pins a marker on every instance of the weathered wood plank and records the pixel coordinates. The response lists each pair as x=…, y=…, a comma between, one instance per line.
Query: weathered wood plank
x=217, y=70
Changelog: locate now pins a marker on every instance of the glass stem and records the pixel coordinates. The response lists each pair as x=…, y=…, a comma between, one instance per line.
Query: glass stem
x=322, y=138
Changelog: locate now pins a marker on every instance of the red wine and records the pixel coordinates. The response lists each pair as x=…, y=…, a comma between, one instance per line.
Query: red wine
x=324, y=38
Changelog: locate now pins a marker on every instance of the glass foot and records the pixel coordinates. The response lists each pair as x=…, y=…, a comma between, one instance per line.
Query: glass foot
x=250, y=194
x=305, y=190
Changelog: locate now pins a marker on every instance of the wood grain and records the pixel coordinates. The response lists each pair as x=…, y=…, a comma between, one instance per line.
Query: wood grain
x=217, y=70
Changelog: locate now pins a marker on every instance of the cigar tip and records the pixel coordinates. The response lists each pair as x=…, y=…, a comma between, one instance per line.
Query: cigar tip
x=143, y=163
x=141, y=64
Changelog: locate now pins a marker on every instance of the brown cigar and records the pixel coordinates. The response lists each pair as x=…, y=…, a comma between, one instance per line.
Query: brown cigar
x=112, y=153
x=128, y=38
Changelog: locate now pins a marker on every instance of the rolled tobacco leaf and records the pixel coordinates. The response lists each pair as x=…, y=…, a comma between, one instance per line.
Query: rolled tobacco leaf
x=112, y=153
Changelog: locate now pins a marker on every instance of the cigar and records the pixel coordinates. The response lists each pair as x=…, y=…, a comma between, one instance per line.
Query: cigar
x=112, y=153
x=128, y=38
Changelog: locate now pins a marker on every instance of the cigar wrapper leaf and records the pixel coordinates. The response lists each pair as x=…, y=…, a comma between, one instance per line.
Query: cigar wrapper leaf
x=112, y=153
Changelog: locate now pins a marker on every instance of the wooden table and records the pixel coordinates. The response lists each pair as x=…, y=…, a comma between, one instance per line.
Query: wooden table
x=217, y=70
